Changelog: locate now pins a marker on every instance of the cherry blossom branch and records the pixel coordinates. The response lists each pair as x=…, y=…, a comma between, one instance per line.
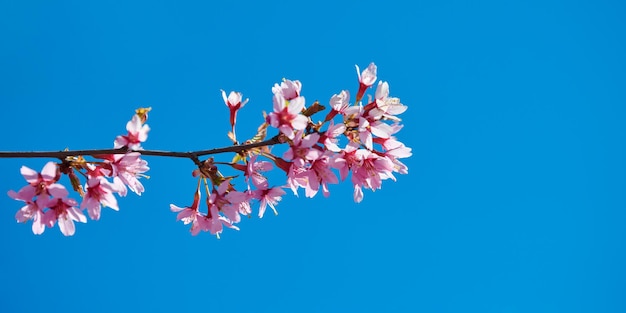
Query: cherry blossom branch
x=354, y=139
x=92, y=152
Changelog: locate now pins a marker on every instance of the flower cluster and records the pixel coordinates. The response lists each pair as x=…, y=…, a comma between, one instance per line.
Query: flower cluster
x=46, y=200
x=355, y=140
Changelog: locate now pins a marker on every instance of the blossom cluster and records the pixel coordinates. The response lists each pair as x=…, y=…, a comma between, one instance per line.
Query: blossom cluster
x=355, y=140
x=46, y=201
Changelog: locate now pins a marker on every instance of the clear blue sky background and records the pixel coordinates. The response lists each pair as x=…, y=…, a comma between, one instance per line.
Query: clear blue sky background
x=515, y=200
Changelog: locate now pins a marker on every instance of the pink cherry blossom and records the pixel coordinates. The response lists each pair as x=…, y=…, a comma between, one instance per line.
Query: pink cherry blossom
x=389, y=106
x=318, y=174
x=368, y=168
x=253, y=172
x=329, y=138
x=190, y=214
x=44, y=182
x=369, y=172
x=234, y=103
x=137, y=133
x=99, y=191
x=393, y=147
x=338, y=104
x=126, y=171
x=369, y=127
x=287, y=115
x=295, y=177
x=267, y=197
x=187, y=214
x=239, y=205
x=32, y=210
x=213, y=222
x=366, y=79
x=288, y=89
x=340, y=101
x=65, y=211
x=302, y=149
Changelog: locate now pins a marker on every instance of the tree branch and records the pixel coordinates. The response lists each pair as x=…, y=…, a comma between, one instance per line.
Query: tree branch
x=191, y=155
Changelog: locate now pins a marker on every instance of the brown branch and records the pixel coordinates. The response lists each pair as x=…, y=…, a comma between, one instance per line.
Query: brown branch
x=190, y=155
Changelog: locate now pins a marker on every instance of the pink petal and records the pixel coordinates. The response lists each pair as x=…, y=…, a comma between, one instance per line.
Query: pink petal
x=309, y=140
x=57, y=191
x=296, y=105
x=29, y=174
x=262, y=205
x=288, y=155
x=108, y=199
x=335, y=130
x=237, y=197
x=93, y=209
x=134, y=125
x=143, y=133
x=38, y=227
x=382, y=90
x=381, y=130
x=358, y=194
x=186, y=215
x=66, y=225
x=366, y=139
x=24, y=214
x=287, y=130
x=175, y=208
x=313, y=154
x=49, y=171
x=223, y=187
x=299, y=122
x=279, y=102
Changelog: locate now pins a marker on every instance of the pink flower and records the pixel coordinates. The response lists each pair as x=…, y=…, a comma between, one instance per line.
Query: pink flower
x=368, y=168
x=341, y=101
x=253, y=172
x=329, y=138
x=370, y=172
x=302, y=149
x=190, y=214
x=319, y=174
x=234, y=103
x=99, y=191
x=287, y=115
x=338, y=104
x=393, y=147
x=32, y=210
x=224, y=203
x=126, y=171
x=239, y=204
x=267, y=197
x=137, y=133
x=41, y=183
x=369, y=127
x=213, y=222
x=288, y=89
x=388, y=105
x=366, y=79
x=324, y=174
x=367, y=124
x=296, y=177
x=64, y=211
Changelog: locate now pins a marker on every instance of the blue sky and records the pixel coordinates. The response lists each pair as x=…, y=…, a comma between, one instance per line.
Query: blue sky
x=514, y=201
